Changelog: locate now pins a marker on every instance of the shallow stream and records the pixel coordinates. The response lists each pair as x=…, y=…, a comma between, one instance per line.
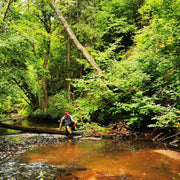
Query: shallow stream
x=35, y=156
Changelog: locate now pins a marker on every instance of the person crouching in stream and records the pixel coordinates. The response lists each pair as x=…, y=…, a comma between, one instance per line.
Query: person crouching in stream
x=68, y=121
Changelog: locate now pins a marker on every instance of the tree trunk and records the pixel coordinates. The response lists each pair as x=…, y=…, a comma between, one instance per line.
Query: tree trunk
x=27, y=91
x=68, y=65
x=45, y=94
x=74, y=39
x=81, y=69
x=38, y=129
x=7, y=7
x=5, y=15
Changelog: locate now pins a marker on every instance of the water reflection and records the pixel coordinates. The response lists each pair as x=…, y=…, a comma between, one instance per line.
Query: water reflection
x=60, y=158
x=26, y=122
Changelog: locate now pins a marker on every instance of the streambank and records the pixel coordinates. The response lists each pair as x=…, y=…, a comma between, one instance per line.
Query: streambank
x=121, y=130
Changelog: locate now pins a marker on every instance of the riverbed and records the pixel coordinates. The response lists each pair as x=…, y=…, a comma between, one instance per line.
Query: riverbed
x=34, y=156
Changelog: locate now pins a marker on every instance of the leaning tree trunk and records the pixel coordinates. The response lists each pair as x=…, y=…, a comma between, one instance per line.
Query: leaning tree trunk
x=7, y=7
x=27, y=91
x=75, y=40
x=5, y=14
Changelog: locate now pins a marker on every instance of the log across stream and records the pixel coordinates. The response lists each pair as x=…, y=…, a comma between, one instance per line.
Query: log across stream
x=38, y=129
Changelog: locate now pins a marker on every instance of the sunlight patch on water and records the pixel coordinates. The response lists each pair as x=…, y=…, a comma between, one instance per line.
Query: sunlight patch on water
x=168, y=153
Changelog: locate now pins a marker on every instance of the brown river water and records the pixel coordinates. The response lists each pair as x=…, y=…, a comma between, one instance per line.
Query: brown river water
x=36, y=156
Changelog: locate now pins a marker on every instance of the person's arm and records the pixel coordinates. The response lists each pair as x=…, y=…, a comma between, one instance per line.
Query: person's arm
x=61, y=122
x=71, y=118
x=60, y=125
x=75, y=122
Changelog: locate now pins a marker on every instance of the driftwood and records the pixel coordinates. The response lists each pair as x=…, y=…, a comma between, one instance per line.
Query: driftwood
x=157, y=136
x=120, y=130
x=166, y=137
x=38, y=129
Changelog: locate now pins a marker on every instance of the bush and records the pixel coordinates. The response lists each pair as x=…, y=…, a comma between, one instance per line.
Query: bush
x=58, y=104
x=168, y=118
x=93, y=128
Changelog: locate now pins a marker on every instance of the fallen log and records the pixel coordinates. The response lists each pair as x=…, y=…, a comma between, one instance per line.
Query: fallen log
x=38, y=129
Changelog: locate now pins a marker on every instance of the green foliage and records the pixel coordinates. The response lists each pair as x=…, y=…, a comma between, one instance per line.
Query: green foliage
x=18, y=139
x=157, y=53
x=41, y=175
x=39, y=114
x=136, y=44
x=93, y=128
x=167, y=118
x=58, y=105
x=89, y=100
x=144, y=86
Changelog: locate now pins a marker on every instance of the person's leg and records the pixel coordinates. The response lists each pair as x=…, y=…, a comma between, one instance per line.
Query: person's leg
x=73, y=124
x=69, y=129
